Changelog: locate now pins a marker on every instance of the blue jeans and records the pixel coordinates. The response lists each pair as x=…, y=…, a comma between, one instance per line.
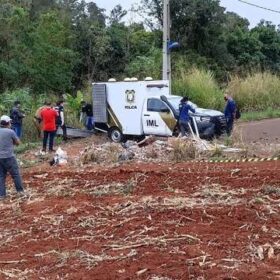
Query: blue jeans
x=18, y=129
x=9, y=165
x=89, y=123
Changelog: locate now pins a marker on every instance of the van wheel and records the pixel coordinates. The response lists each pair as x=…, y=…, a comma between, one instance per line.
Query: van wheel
x=116, y=135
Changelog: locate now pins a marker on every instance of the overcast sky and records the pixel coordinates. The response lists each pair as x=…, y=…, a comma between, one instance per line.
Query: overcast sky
x=252, y=13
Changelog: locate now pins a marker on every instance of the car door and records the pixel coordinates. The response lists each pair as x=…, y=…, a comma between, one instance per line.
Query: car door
x=153, y=123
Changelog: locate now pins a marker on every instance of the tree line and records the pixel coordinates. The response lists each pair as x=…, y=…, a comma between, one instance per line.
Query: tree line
x=59, y=46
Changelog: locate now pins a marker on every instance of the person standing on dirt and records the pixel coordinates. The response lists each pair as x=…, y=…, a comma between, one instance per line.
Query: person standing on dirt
x=184, y=117
x=17, y=117
x=38, y=120
x=88, y=112
x=60, y=120
x=48, y=116
x=230, y=111
x=8, y=162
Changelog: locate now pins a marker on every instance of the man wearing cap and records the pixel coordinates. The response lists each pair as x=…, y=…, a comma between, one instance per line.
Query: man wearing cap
x=8, y=162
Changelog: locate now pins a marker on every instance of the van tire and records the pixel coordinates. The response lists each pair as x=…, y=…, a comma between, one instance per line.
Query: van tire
x=116, y=135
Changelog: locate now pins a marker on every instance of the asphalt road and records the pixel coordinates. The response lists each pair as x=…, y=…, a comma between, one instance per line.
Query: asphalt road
x=260, y=131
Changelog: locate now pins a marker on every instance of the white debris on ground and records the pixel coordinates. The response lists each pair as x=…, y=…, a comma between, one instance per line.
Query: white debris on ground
x=151, y=149
x=60, y=157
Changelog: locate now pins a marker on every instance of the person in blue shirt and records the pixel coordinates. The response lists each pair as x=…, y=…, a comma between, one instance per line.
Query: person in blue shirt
x=230, y=111
x=184, y=116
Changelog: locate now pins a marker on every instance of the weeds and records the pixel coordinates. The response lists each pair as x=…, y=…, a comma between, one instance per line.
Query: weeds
x=260, y=115
x=92, y=156
x=217, y=152
x=256, y=92
x=26, y=147
x=151, y=153
x=183, y=150
x=200, y=86
x=113, y=152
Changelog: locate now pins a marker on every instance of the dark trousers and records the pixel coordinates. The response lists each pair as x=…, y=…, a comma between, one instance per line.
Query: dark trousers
x=229, y=122
x=48, y=135
x=184, y=127
x=9, y=165
x=64, y=131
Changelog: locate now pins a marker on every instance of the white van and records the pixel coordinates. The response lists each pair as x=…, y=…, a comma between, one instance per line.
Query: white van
x=133, y=109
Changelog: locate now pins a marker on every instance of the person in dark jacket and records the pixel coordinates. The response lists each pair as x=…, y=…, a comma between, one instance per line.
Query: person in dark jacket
x=60, y=120
x=230, y=111
x=184, y=116
x=87, y=114
x=17, y=117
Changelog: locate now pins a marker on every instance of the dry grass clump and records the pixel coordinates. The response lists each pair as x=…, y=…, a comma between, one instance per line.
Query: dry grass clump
x=91, y=156
x=151, y=153
x=113, y=151
x=276, y=153
x=15, y=273
x=183, y=150
x=216, y=152
x=271, y=190
x=103, y=153
x=114, y=188
x=256, y=92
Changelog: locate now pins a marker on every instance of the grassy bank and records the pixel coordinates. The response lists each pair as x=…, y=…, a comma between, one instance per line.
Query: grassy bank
x=256, y=92
x=261, y=115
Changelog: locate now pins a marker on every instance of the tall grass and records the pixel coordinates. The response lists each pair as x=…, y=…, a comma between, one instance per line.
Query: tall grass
x=257, y=92
x=200, y=86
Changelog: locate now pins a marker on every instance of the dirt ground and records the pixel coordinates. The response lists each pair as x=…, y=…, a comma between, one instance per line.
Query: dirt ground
x=265, y=131
x=144, y=221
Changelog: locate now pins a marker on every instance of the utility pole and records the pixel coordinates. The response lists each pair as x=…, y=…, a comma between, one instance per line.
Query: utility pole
x=166, y=61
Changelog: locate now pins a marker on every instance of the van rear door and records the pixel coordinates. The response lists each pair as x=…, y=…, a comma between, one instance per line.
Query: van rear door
x=155, y=116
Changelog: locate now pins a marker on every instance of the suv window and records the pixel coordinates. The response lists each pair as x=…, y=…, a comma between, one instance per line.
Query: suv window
x=156, y=105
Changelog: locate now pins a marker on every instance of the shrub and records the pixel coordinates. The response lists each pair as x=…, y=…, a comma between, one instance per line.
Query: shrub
x=257, y=92
x=183, y=150
x=29, y=101
x=200, y=86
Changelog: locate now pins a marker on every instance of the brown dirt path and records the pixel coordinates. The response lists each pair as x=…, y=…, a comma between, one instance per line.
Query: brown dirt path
x=266, y=131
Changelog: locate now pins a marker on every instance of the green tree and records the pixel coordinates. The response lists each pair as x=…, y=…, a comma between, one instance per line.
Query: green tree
x=117, y=14
x=14, y=46
x=52, y=62
x=269, y=39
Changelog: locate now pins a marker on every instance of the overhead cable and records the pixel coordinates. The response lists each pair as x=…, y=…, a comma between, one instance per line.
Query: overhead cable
x=260, y=7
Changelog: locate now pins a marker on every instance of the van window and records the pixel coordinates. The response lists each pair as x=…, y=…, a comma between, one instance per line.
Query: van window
x=156, y=105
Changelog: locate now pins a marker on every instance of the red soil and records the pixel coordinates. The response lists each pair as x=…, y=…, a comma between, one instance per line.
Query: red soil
x=144, y=221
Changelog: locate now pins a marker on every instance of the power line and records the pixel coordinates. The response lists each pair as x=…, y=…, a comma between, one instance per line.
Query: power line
x=260, y=7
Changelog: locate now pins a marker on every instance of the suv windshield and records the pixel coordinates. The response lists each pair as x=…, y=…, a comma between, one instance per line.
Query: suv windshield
x=175, y=101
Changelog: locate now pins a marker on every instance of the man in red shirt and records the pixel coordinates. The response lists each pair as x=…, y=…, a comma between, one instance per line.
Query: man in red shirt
x=48, y=116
